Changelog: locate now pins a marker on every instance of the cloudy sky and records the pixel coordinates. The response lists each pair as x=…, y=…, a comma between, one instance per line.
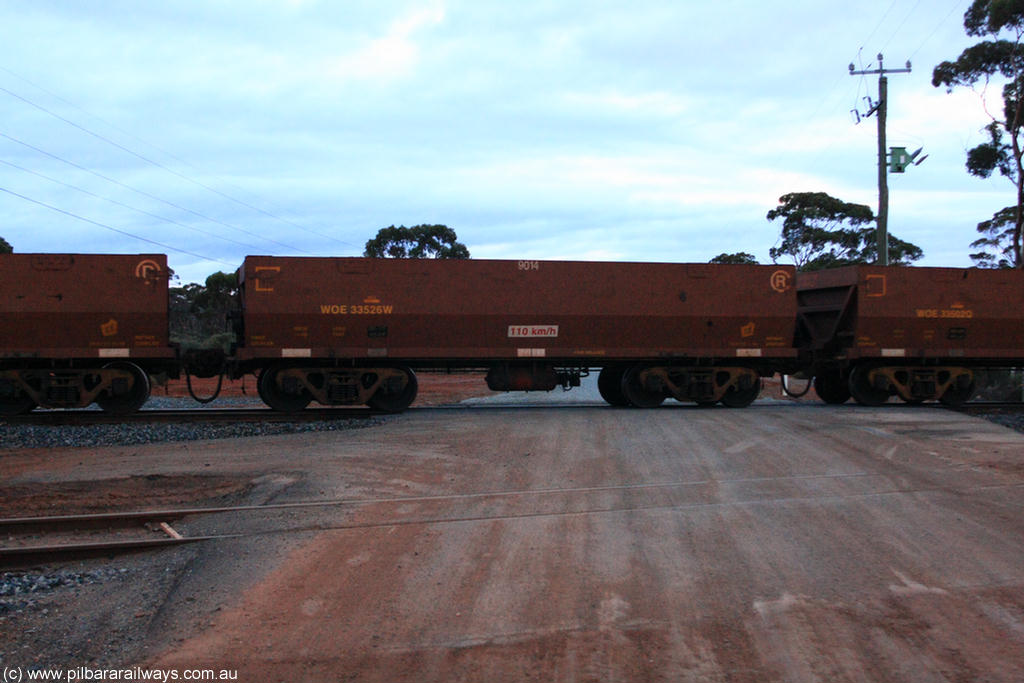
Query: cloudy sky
x=640, y=130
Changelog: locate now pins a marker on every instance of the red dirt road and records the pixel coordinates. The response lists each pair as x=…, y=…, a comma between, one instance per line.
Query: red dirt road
x=777, y=543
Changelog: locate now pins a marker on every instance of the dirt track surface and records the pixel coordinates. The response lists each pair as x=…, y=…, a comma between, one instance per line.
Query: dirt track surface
x=668, y=545
x=783, y=542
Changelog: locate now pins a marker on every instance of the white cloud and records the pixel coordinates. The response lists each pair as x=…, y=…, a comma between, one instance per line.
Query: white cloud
x=391, y=56
x=659, y=104
x=658, y=130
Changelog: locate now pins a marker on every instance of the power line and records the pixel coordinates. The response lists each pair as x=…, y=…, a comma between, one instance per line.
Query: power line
x=862, y=83
x=822, y=101
x=163, y=167
x=958, y=4
x=126, y=206
x=108, y=227
x=900, y=27
x=147, y=194
x=879, y=24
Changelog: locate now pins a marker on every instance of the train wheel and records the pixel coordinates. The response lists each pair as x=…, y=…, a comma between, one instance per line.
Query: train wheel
x=741, y=398
x=634, y=391
x=956, y=397
x=863, y=391
x=276, y=396
x=394, y=399
x=13, y=401
x=121, y=399
x=609, y=384
x=831, y=388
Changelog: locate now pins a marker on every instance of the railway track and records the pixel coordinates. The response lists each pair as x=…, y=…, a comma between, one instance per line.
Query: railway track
x=262, y=414
x=41, y=539
x=31, y=541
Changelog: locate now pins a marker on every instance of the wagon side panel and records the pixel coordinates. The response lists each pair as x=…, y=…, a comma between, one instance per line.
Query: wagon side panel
x=425, y=310
x=84, y=306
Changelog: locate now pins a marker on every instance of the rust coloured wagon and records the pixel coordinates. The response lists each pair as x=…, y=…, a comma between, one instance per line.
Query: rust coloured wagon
x=919, y=333
x=353, y=330
x=82, y=328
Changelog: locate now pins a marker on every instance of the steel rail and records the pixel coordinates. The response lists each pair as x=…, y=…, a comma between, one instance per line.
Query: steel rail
x=114, y=518
x=13, y=556
x=21, y=556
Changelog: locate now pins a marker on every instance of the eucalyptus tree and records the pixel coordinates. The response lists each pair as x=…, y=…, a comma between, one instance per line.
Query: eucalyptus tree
x=1000, y=54
x=419, y=241
x=820, y=231
x=739, y=258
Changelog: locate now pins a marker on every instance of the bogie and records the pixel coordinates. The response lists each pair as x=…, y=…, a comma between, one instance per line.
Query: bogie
x=396, y=393
x=289, y=388
x=281, y=391
x=119, y=387
x=127, y=393
x=642, y=388
x=873, y=385
x=742, y=394
x=13, y=399
x=867, y=387
x=647, y=386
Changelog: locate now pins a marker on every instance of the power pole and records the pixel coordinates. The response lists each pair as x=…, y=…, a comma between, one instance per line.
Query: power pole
x=883, y=186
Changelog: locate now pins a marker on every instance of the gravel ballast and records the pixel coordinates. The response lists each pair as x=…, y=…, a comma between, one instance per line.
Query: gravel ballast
x=130, y=434
x=21, y=590
x=93, y=436
x=15, y=436
x=1013, y=420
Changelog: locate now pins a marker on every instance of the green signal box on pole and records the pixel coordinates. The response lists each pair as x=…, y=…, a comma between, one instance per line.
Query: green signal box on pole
x=899, y=159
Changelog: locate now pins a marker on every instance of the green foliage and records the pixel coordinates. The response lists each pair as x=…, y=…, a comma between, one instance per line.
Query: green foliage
x=5, y=247
x=996, y=241
x=199, y=313
x=820, y=231
x=419, y=241
x=977, y=65
x=739, y=258
x=990, y=156
x=992, y=16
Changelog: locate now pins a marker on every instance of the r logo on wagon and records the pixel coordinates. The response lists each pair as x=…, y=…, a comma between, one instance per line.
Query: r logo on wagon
x=780, y=281
x=147, y=270
x=535, y=331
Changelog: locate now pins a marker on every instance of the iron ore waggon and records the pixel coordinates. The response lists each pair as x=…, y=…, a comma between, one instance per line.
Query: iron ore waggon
x=77, y=329
x=82, y=328
x=354, y=330
x=917, y=333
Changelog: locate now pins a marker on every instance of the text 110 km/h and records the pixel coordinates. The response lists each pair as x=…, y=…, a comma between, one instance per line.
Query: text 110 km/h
x=521, y=331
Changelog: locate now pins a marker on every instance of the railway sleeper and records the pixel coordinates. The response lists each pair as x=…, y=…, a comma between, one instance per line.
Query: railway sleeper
x=118, y=387
x=949, y=384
